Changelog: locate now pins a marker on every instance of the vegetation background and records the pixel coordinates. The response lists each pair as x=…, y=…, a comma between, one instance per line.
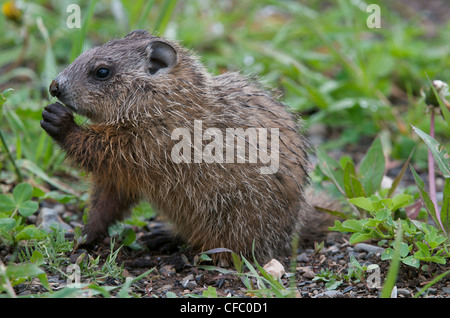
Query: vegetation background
x=349, y=82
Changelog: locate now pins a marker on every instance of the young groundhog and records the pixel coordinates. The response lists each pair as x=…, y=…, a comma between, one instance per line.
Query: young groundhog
x=217, y=156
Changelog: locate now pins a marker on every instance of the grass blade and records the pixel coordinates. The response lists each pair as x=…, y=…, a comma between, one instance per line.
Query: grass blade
x=164, y=16
x=429, y=205
x=77, y=47
x=393, y=269
x=434, y=281
x=34, y=169
x=440, y=154
x=399, y=177
x=144, y=15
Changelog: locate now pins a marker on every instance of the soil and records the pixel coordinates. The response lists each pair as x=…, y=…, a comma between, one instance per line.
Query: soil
x=175, y=275
x=334, y=256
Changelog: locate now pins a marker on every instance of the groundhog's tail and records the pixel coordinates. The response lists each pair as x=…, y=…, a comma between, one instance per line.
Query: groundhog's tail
x=317, y=221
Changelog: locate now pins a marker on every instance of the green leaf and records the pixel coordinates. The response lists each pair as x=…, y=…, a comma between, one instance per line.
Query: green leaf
x=332, y=169
x=438, y=260
x=211, y=292
x=337, y=227
x=37, y=258
x=28, y=208
x=429, y=205
x=355, y=263
x=7, y=204
x=17, y=271
x=30, y=232
x=424, y=251
x=379, y=203
x=371, y=169
x=359, y=237
x=352, y=226
x=332, y=284
x=382, y=215
x=23, y=270
x=440, y=154
x=403, y=249
x=349, y=171
x=401, y=200
x=363, y=203
x=129, y=237
x=411, y=261
x=352, y=186
x=7, y=224
x=387, y=254
x=434, y=239
x=22, y=192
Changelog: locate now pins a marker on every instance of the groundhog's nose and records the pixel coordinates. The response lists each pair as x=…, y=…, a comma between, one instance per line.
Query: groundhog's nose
x=54, y=89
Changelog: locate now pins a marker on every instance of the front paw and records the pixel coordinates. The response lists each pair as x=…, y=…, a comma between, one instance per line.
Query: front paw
x=57, y=121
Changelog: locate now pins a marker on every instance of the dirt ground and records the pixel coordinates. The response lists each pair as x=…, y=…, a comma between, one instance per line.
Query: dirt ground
x=334, y=256
x=171, y=277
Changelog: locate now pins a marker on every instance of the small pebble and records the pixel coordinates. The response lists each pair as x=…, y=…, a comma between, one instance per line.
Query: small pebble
x=303, y=258
x=49, y=218
x=186, y=280
x=274, y=268
x=347, y=289
x=332, y=249
x=166, y=287
x=403, y=291
x=330, y=294
x=167, y=270
x=446, y=290
x=364, y=247
x=307, y=272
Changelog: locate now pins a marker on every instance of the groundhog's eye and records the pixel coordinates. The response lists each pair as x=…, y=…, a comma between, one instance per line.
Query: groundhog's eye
x=102, y=73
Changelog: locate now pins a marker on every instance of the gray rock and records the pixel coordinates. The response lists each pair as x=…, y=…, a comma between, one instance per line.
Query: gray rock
x=307, y=272
x=333, y=249
x=186, y=280
x=49, y=218
x=166, y=288
x=330, y=294
x=364, y=247
x=167, y=270
x=303, y=258
x=403, y=291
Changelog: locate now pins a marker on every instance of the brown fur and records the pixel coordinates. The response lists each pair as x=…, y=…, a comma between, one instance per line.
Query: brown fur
x=127, y=148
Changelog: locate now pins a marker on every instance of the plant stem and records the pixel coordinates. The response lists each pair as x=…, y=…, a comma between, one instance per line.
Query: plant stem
x=8, y=153
x=431, y=174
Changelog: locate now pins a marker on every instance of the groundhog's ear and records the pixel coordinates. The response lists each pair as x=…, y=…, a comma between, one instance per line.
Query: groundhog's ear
x=161, y=55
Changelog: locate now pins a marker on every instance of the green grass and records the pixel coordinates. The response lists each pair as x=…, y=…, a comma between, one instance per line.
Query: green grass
x=323, y=60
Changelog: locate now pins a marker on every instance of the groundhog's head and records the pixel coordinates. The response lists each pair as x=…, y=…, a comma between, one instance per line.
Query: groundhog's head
x=126, y=78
